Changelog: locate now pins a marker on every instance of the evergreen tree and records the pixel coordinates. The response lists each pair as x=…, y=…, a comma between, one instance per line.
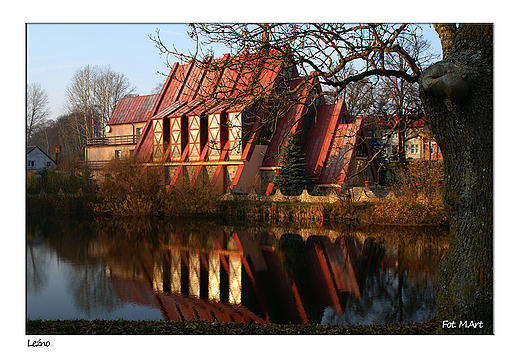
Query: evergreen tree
x=292, y=176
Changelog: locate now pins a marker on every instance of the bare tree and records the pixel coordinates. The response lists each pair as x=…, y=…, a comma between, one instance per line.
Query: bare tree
x=79, y=98
x=457, y=94
x=109, y=87
x=94, y=92
x=359, y=96
x=37, y=111
x=157, y=89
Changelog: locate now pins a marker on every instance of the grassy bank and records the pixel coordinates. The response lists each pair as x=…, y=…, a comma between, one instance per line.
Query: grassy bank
x=196, y=203
x=127, y=190
x=84, y=327
x=403, y=212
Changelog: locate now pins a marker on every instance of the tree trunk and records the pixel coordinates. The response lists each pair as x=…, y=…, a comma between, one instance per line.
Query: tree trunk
x=457, y=94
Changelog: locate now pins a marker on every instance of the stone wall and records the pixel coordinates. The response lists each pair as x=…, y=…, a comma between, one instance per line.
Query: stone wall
x=358, y=194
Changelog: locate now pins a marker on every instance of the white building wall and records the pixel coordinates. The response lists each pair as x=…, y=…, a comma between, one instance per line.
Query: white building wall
x=37, y=160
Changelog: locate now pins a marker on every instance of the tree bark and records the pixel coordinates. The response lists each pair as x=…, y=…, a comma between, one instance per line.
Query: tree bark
x=457, y=94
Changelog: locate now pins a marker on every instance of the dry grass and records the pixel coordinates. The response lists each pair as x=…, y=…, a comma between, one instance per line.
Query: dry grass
x=83, y=327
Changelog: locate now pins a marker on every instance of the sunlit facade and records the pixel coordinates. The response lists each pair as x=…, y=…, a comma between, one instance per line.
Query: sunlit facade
x=200, y=140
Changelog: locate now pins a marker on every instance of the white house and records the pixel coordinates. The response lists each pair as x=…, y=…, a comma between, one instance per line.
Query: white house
x=37, y=159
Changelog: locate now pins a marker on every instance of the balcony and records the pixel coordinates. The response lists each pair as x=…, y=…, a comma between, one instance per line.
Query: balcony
x=113, y=140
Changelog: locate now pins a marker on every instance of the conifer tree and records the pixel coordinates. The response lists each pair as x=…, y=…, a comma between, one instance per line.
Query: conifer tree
x=292, y=176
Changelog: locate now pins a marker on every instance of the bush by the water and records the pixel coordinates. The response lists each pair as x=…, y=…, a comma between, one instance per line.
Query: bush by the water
x=419, y=197
x=129, y=189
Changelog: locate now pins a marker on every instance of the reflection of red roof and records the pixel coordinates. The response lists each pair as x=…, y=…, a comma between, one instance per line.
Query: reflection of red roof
x=178, y=307
x=133, y=291
x=133, y=110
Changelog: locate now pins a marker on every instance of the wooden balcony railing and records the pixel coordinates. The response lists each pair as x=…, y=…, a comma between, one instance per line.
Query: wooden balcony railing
x=114, y=140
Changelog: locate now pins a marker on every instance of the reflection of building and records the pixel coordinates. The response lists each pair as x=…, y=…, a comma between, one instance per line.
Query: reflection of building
x=240, y=276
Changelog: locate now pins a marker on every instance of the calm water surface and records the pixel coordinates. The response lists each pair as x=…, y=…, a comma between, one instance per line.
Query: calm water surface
x=174, y=270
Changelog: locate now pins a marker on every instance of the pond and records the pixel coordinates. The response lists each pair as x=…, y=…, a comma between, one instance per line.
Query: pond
x=150, y=269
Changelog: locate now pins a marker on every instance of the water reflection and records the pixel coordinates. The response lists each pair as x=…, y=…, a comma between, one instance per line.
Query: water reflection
x=185, y=271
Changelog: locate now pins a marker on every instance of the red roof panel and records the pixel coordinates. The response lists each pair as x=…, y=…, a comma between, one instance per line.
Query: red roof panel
x=322, y=134
x=341, y=153
x=133, y=110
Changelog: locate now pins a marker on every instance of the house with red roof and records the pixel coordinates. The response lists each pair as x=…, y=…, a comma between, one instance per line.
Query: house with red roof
x=203, y=131
x=123, y=130
x=418, y=138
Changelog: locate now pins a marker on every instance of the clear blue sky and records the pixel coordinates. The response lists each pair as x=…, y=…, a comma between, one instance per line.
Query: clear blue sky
x=56, y=51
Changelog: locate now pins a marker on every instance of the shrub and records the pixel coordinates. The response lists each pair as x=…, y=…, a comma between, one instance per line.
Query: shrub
x=127, y=177
x=421, y=180
x=419, y=201
x=130, y=189
x=190, y=201
x=404, y=211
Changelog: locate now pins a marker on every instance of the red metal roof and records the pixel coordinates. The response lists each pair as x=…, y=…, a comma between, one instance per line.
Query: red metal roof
x=290, y=123
x=390, y=123
x=341, y=152
x=184, y=89
x=322, y=134
x=190, y=81
x=133, y=110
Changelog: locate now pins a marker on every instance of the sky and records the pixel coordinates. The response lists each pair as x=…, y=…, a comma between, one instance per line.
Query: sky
x=56, y=51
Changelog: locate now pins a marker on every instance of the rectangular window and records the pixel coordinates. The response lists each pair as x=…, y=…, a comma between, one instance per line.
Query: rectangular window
x=30, y=163
x=48, y=164
x=117, y=154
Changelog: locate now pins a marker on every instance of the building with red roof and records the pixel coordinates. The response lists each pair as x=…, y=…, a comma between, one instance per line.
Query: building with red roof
x=419, y=143
x=123, y=130
x=204, y=129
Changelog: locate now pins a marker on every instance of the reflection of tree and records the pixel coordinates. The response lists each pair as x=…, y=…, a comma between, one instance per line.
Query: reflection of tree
x=72, y=240
x=292, y=247
x=399, y=285
x=36, y=261
x=91, y=289
x=36, y=268
x=380, y=302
